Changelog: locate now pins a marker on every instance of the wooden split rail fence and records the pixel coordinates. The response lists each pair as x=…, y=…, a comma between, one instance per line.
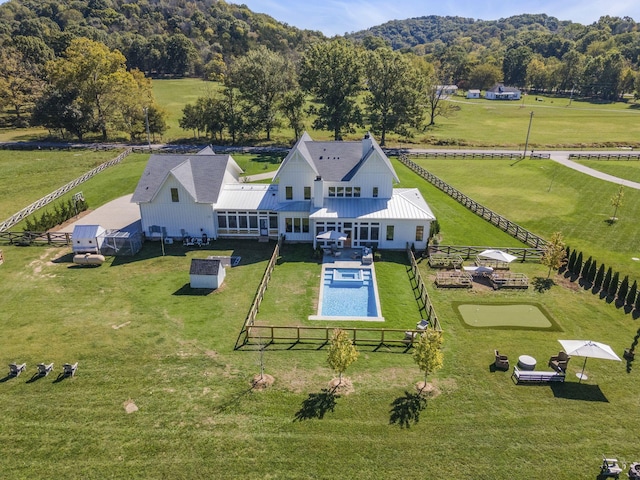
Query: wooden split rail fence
x=469, y=252
x=604, y=156
x=25, y=212
x=515, y=230
x=427, y=306
x=478, y=155
x=36, y=238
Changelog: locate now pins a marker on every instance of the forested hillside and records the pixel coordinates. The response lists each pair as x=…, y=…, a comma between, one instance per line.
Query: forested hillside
x=178, y=37
x=531, y=51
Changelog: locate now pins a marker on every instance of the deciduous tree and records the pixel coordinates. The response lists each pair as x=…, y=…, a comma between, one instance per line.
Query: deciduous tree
x=555, y=254
x=342, y=352
x=332, y=72
x=428, y=352
x=393, y=97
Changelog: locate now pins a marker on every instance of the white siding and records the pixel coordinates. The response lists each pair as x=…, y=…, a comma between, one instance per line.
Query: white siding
x=298, y=174
x=404, y=232
x=374, y=173
x=185, y=214
x=208, y=281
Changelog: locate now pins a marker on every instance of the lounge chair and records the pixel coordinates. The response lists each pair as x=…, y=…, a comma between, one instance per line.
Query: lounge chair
x=69, y=369
x=16, y=369
x=501, y=362
x=559, y=362
x=44, y=370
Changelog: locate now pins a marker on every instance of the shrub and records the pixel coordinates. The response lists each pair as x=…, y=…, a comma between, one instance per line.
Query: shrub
x=633, y=293
x=592, y=272
x=607, y=280
x=623, y=290
x=577, y=267
x=613, y=286
x=599, y=278
x=585, y=269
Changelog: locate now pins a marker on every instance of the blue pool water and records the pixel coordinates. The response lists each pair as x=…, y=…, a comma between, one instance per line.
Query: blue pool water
x=348, y=292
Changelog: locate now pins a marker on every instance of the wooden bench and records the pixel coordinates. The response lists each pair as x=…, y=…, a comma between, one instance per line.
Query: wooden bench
x=532, y=376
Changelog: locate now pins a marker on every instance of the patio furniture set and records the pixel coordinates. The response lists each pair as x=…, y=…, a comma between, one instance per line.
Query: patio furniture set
x=525, y=371
x=611, y=468
x=44, y=369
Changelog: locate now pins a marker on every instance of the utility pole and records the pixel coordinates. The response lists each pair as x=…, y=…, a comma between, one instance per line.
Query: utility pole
x=146, y=121
x=526, y=143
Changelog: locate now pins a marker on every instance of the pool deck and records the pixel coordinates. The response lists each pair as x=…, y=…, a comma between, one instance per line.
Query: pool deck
x=345, y=260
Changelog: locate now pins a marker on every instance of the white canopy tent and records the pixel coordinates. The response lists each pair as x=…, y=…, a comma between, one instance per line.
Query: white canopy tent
x=331, y=235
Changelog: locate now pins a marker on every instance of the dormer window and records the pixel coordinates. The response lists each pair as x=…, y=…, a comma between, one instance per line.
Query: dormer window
x=375, y=192
x=174, y=195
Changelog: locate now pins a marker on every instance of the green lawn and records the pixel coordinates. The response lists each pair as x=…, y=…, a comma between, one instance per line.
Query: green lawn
x=546, y=197
x=142, y=336
x=27, y=176
x=629, y=170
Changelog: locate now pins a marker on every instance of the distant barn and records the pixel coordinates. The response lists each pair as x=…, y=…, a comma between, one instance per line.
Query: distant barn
x=206, y=273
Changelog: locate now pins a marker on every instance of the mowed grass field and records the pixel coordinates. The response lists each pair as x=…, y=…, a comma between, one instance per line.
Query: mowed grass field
x=546, y=197
x=557, y=123
x=143, y=338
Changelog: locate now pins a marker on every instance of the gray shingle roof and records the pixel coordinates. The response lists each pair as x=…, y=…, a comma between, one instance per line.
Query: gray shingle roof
x=204, y=266
x=201, y=175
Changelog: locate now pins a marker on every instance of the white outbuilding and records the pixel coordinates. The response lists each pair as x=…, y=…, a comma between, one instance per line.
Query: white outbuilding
x=206, y=273
x=87, y=238
x=473, y=93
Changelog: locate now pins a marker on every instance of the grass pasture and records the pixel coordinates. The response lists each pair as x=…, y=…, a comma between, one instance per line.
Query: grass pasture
x=546, y=197
x=143, y=338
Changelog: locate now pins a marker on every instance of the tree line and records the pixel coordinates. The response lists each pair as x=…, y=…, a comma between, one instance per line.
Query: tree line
x=340, y=85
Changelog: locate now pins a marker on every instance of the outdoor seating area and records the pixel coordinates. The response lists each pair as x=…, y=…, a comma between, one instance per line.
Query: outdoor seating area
x=454, y=279
x=559, y=362
x=44, y=369
x=441, y=260
x=500, y=280
x=69, y=370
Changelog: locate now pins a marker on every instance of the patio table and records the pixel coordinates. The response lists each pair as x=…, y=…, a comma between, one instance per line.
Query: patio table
x=526, y=362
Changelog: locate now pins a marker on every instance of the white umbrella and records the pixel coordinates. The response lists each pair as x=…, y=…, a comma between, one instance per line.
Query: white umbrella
x=498, y=255
x=331, y=235
x=586, y=349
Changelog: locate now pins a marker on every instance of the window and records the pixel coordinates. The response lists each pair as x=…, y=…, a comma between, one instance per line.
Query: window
x=289, y=193
x=273, y=221
x=243, y=221
x=307, y=193
x=375, y=192
x=364, y=233
x=233, y=221
x=348, y=191
x=356, y=192
x=305, y=225
x=389, y=232
x=340, y=191
x=222, y=221
x=288, y=225
x=419, y=233
x=375, y=233
x=332, y=191
x=253, y=221
x=174, y=195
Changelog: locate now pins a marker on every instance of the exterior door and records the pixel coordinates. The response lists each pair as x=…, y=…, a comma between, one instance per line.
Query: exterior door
x=347, y=242
x=264, y=227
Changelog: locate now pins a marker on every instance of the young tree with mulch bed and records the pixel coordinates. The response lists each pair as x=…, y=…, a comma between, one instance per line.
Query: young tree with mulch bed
x=428, y=353
x=554, y=255
x=342, y=352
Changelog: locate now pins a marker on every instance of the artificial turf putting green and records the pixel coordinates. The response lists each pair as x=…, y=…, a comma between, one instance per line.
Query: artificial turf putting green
x=506, y=315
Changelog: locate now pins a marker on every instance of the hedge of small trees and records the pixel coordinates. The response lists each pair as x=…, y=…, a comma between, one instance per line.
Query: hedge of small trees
x=61, y=212
x=604, y=280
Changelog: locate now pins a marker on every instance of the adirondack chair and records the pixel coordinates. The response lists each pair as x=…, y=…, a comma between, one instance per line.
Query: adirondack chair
x=69, y=369
x=501, y=362
x=44, y=370
x=16, y=369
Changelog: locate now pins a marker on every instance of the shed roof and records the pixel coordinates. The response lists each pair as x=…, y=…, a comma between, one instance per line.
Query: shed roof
x=204, y=266
x=87, y=231
x=201, y=176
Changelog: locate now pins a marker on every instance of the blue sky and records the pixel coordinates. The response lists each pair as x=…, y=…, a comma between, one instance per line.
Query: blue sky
x=335, y=17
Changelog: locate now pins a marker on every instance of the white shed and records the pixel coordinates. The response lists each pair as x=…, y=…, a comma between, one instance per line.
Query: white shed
x=87, y=238
x=473, y=94
x=206, y=273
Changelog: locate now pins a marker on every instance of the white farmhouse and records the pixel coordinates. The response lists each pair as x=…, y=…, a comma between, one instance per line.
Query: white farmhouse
x=346, y=187
x=500, y=92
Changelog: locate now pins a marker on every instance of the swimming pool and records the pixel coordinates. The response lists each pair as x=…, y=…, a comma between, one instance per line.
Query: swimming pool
x=348, y=294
